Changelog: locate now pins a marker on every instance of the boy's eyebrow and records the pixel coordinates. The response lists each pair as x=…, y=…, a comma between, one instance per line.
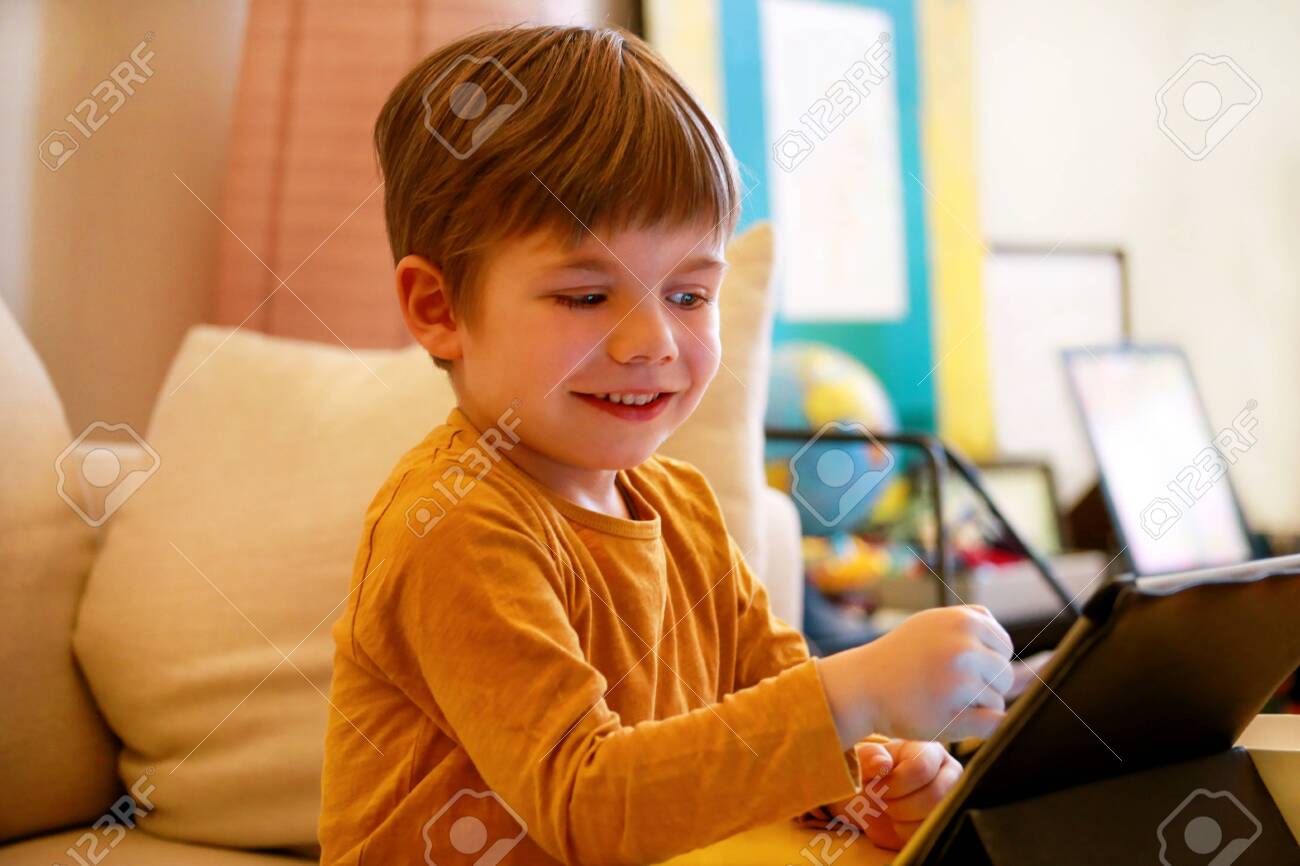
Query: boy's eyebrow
x=603, y=265
x=699, y=263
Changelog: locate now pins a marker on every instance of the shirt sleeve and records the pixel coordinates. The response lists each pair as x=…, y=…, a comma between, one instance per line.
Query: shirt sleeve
x=766, y=645
x=486, y=631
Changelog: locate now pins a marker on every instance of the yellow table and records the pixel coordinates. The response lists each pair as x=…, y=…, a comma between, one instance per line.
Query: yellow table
x=1273, y=741
x=779, y=844
x=1274, y=746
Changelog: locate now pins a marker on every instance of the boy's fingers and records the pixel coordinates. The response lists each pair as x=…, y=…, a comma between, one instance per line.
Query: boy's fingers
x=974, y=721
x=1003, y=679
x=918, y=804
x=905, y=750
x=898, y=749
x=991, y=668
x=988, y=698
x=917, y=765
x=995, y=637
x=991, y=633
x=883, y=835
x=874, y=759
x=906, y=830
x=1026, y=671
x=1021, y=678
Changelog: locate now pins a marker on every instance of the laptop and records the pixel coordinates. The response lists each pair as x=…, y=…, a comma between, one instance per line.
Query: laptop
x=1165, y=470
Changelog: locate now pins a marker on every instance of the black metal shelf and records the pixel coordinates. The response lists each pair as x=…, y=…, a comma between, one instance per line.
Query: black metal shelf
x=940, y=458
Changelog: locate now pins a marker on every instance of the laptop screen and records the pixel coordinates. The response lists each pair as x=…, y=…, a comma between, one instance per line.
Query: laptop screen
x=1164, y=470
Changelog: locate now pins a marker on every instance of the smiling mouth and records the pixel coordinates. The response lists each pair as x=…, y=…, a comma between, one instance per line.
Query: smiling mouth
x=628, y=405
x=629, y=398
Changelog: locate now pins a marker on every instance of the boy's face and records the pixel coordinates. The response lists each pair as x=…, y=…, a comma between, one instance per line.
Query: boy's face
x=561, y=331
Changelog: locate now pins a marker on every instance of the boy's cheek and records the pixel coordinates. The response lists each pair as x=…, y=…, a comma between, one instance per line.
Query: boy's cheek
x=712, y=361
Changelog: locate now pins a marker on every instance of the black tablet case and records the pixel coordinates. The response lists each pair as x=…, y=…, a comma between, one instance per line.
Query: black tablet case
x=1138, y=711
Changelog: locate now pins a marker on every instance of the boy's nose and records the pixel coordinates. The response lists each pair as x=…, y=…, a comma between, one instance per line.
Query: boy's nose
x=645, y=335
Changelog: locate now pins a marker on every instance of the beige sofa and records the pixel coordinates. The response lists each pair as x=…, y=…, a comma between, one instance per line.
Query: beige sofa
x=178, y=656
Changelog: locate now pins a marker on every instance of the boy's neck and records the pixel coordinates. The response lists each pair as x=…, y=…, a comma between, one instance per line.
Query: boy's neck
x=593, y=489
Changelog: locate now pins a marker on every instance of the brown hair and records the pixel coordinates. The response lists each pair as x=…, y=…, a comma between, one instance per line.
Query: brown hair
x=509, y=131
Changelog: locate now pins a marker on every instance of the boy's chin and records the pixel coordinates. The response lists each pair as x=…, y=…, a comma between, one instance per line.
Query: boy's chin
x=613, y=458
x=623, y=461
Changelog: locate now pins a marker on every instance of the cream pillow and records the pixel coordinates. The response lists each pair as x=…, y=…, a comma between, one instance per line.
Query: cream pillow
x=56, y=754
x=724, y=437
x=242, y=543
x=270, y=450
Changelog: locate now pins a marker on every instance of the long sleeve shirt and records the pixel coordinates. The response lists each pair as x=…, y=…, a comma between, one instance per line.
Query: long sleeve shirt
x=520, y=678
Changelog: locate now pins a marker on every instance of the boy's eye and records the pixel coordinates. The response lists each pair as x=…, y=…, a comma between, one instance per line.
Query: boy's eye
x=586, y=299
x=688, y=300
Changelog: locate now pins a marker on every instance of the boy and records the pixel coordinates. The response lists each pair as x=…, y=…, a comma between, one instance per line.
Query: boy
x=553, y=650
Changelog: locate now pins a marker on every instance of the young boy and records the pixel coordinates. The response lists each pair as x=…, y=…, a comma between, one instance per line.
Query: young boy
x=553, y=651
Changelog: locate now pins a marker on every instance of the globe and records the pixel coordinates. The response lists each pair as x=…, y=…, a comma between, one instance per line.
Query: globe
x=822, y=390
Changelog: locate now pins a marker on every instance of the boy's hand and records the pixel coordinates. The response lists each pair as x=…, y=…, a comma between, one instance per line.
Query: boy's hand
x=1026, y=671
x=914, y=777
x=940, y=675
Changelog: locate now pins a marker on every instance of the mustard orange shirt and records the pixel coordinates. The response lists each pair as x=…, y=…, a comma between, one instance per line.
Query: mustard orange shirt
x=518, y=679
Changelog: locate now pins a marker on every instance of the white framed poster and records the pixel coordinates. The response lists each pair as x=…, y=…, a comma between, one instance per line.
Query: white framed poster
x=830, y=93
x=1039, y=302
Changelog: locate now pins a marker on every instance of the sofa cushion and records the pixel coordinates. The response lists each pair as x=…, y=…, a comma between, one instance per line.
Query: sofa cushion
x=238, y=550
x=134, y=847
x=724, y=436
x=56, y=755
x=237, y=553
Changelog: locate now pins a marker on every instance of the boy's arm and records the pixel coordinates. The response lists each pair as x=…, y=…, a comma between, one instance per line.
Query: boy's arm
x=487, y=632
x=766, y=645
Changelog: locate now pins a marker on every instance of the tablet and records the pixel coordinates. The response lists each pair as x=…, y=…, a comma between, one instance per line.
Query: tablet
x=1156, y=672
x=1164, y=470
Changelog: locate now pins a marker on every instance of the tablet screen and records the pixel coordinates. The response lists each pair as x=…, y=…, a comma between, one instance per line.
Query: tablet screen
x=1163, y=468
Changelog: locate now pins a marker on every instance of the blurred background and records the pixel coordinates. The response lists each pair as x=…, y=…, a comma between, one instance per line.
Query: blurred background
x=960, y=192
x=1021, y=125
x=1025, y=292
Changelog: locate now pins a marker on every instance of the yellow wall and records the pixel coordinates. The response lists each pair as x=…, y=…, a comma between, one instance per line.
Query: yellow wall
x=956, y=241
x=687, y=34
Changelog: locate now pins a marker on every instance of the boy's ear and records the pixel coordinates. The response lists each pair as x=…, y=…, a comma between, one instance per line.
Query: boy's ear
x=426, y=307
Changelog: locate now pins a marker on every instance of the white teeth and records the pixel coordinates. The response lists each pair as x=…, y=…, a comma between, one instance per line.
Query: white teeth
x=628, y=399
